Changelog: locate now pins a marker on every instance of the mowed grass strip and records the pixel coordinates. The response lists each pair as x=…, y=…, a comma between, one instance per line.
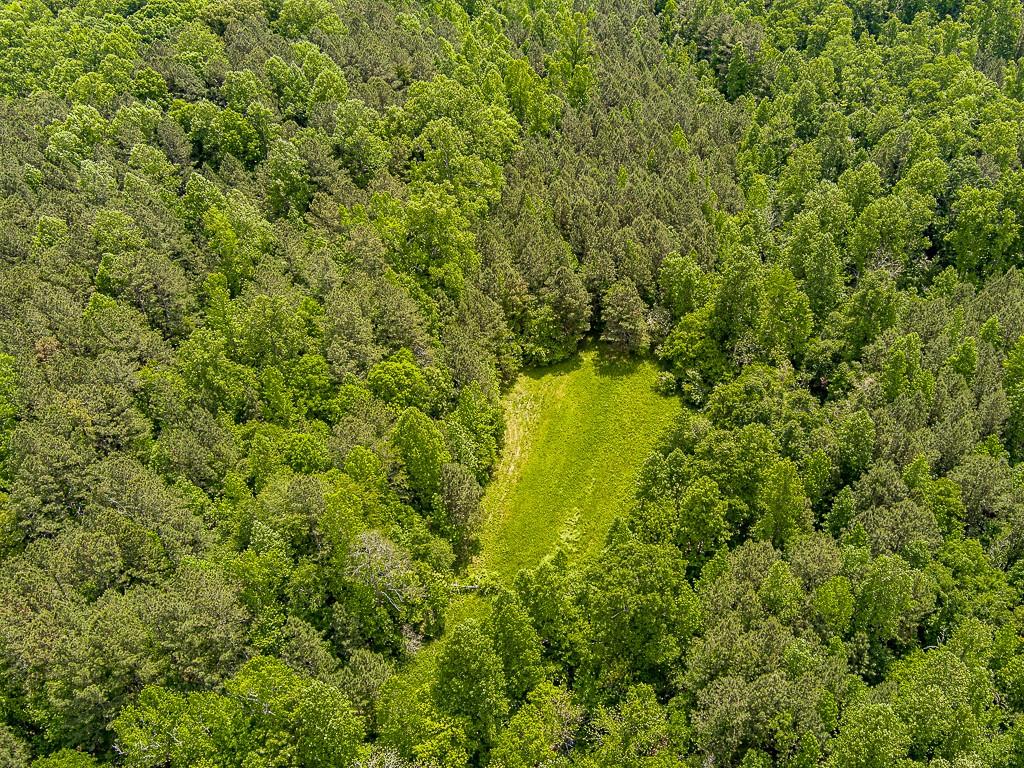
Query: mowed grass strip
x=577, y=434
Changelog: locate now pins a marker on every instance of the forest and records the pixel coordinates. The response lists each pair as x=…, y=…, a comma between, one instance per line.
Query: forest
x=269, y=270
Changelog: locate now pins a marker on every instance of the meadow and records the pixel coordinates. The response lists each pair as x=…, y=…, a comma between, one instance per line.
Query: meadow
x=576, y=436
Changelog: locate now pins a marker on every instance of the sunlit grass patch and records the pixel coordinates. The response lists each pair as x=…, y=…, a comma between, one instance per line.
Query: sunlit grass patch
x=577, y=434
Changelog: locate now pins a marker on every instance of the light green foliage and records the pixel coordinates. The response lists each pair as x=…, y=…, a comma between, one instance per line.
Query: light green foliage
x=639, y=732
x=814, y=259
x=785, y=321
x=542, y=728
x=571, y=70
x=288, y=186
x=902, y=373
x=421, y=447
x=517, y=644
x=891, y=598
x=299, y=17
x=684, y=285
x=399, y=380
x=699, y=520
x=268, y=714
x=694, y=356
x=783, y=508
x=641, y=608
x=471, y=684
x=857, y=435
x=943, y=701
x=66, y=758
x=873, y=307
x=460, y=139
x=833, y=604
x=872, y=736
x=275, y=489
x=412, y=725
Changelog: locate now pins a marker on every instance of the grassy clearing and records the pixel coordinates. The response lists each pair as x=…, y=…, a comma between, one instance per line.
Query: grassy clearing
x=576, y=436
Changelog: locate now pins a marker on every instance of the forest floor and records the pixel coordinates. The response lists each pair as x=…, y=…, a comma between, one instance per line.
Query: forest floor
x=577, y=434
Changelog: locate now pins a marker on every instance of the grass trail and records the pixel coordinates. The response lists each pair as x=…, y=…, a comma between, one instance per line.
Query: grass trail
x=576, y=436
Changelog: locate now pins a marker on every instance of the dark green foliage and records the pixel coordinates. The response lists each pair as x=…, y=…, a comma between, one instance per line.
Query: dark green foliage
x=266, y=269
x=624, y=316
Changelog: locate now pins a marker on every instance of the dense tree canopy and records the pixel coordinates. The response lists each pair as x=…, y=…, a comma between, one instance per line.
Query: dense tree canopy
x=267, y=267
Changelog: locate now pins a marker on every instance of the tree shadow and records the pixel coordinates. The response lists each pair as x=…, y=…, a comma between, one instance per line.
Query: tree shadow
x=612, y=364
x=607, y=362
x=563, y=366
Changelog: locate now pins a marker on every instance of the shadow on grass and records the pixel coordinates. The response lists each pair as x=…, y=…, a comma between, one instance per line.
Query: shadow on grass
x=607, y=362
x=565, y=366
x=614, y=364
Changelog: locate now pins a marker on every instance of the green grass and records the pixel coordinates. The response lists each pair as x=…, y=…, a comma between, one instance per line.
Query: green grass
x=576, y=436
x=577, y=433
